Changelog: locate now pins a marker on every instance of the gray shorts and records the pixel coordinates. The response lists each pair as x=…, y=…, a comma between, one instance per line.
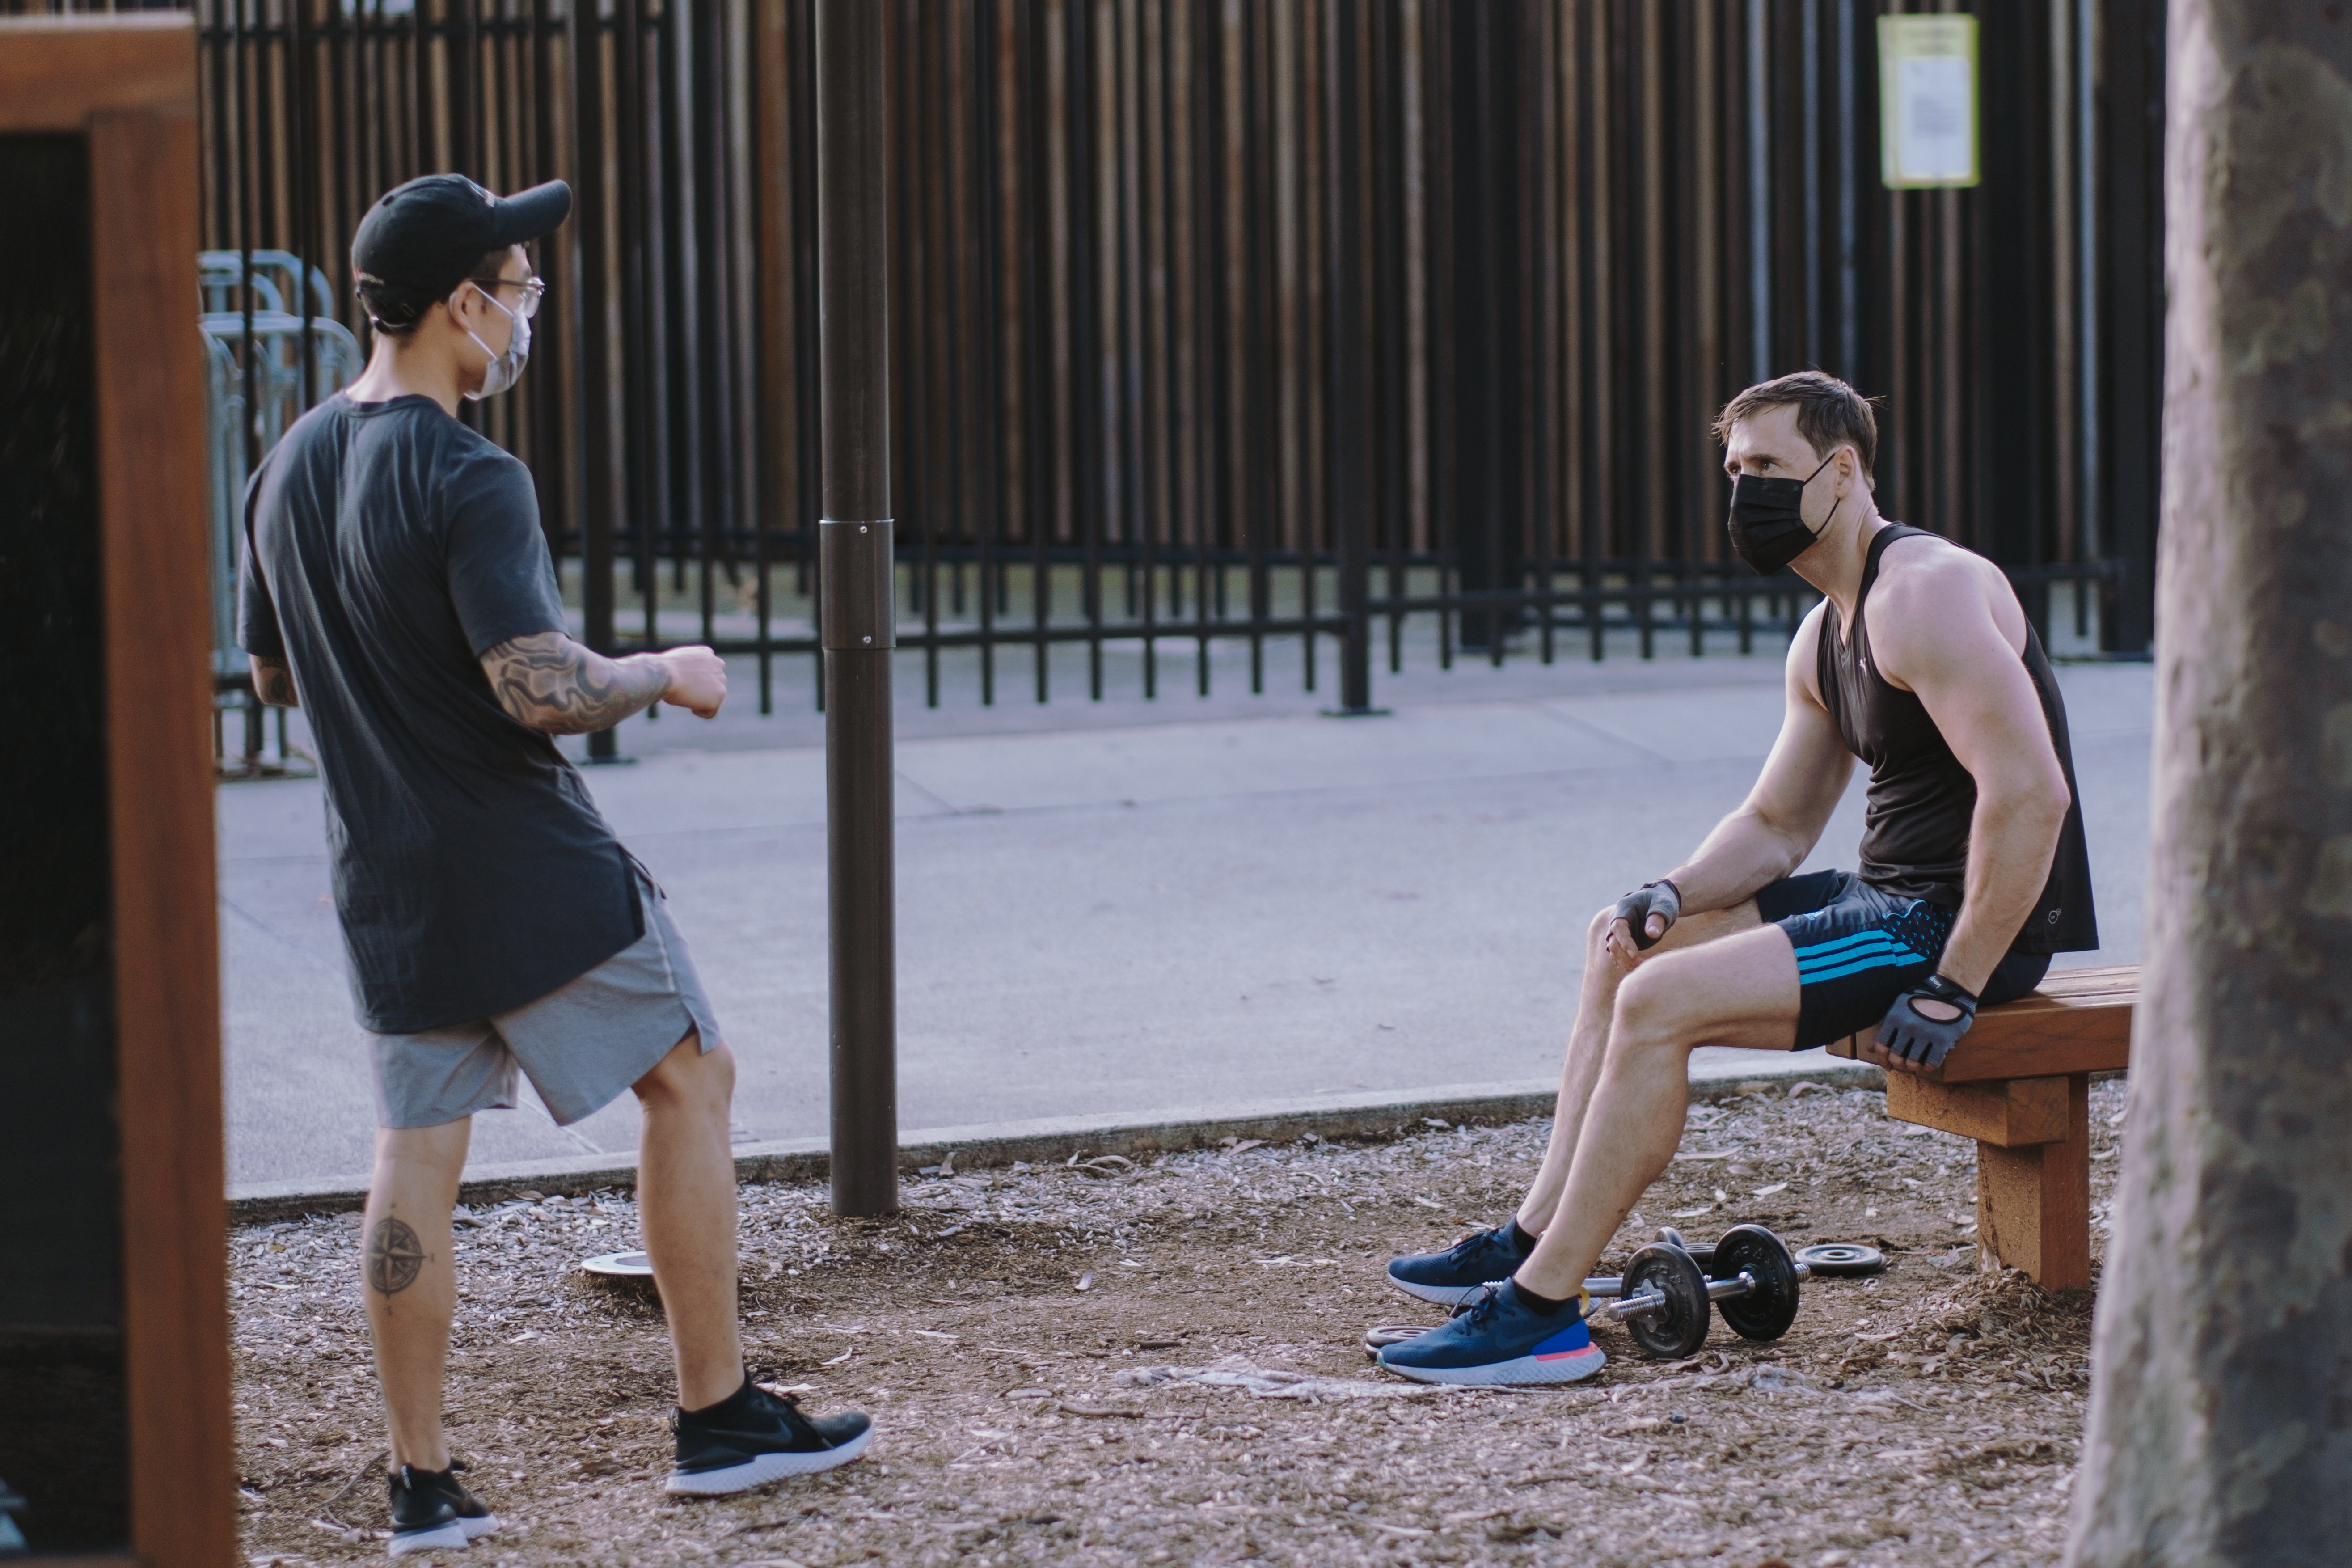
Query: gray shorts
x=582, y=1042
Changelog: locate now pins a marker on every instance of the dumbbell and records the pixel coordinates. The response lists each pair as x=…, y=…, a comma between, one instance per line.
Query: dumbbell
x=1663, y=1294
x=1603, y=1287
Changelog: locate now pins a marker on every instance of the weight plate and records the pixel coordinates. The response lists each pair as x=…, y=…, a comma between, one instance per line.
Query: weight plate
x=1764, y=1312
x=1673, y=1238
x=1379, y=1338
x=1681, y=1328
x=1832, y=1259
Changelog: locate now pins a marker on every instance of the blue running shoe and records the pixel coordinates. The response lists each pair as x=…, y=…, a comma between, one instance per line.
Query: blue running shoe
x=1454, y=1276
x=1501, y=1341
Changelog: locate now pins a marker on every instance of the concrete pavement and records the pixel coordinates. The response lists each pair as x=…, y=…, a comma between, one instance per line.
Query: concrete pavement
x=1113, y=909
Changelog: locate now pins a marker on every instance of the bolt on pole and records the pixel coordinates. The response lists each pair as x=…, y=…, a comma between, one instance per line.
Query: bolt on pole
x=854, y=601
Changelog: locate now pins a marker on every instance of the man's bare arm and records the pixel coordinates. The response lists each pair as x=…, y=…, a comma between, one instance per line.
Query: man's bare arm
x=559, y=687
x=1782, y=817
x=272, y=682
x=1940, y=632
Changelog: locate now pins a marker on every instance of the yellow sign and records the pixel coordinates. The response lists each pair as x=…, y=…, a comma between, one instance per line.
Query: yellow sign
x=1928, y=101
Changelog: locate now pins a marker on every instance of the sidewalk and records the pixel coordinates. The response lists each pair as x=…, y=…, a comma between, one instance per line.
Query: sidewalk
x=1110, y=910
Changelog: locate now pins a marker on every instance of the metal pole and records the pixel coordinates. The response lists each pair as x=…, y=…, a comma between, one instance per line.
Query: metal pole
x=589, y=302
x=1811, y=77
x=1849, y=200
x=2086, y=251
x=855, y=583
x=248, y=172
x=1350, y=258
x=1759, y=191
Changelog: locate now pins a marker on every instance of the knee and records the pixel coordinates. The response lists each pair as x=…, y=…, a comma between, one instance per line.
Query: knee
x=690, y=1078
x=717, y=1065
x=435, y=1150
x=1597, y=934
x=1642, y=1019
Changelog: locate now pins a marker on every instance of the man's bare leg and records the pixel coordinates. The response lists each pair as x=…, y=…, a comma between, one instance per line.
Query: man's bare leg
x=686, y=1205
x=1738, y=991
x=410, y=1280
x=1588, y=1040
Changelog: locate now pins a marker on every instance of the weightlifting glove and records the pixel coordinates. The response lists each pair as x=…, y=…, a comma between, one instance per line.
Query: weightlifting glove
x=1659, y=898
x=1915, y=1037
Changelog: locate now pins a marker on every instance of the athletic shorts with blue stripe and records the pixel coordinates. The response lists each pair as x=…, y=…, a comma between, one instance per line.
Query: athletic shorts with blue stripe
x=1858, y=949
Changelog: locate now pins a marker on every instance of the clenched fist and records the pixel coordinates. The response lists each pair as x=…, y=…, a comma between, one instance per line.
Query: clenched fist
x=697, y=680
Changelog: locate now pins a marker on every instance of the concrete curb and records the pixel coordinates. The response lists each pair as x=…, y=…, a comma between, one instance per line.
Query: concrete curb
x=1055, y=1139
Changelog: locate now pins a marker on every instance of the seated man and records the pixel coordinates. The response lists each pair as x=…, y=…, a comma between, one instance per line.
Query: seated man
x=1973, y=872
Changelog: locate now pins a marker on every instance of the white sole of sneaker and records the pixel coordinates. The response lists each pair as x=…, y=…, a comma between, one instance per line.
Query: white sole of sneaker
x=1442, y=1295
x=453, y=1536
x=442, y=1538
x=1523, y=1372
x=763, y=1468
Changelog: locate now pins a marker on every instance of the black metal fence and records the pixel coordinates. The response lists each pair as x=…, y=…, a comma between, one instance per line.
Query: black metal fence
x=1338, y=328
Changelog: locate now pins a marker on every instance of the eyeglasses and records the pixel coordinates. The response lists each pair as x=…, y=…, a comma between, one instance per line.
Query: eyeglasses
x=533, y=289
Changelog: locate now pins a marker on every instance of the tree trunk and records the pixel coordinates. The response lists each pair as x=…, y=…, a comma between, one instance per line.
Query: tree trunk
x=2220, y=1425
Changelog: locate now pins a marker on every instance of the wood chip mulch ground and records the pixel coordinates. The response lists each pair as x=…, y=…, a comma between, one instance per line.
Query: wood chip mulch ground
x=1030, y=1343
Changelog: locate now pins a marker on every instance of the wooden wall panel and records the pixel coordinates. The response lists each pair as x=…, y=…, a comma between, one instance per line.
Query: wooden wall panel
x=151, y=435
x=130, y=84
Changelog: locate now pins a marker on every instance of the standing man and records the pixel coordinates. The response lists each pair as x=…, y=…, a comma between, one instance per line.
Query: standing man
x=397, y=586
x=1973, y=872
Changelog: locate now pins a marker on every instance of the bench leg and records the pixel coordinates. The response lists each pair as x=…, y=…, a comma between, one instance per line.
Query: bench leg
x=2033, y=1205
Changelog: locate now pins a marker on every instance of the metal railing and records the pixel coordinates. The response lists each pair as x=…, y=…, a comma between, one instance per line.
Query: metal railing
x=1331, y=330
x=265, y=364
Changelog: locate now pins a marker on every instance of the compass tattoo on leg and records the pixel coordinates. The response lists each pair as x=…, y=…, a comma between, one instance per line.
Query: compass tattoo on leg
x=394, y=1256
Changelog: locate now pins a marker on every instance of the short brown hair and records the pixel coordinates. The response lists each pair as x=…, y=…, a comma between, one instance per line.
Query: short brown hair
x=394, y=309
x=1830, y=414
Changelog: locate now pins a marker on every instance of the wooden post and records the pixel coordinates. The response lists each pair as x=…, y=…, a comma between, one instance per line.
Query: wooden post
x=2033, y=1203
x=2218, y=1425
x=2033, y=1166
x=2013, y=1114
x=125, y=87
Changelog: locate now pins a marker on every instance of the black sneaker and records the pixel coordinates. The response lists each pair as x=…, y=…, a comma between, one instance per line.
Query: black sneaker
x=1456, y=1275
x=432, y=1510
x=753, y=1437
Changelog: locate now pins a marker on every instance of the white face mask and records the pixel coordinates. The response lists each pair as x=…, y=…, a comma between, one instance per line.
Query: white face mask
x=505, y=369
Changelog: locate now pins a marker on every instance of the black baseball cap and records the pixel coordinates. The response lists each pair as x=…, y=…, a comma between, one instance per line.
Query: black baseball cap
x=422, y=240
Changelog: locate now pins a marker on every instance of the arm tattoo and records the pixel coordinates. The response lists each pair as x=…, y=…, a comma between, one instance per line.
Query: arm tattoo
x=554, y=685
x=273, y=683
x=394, y=1258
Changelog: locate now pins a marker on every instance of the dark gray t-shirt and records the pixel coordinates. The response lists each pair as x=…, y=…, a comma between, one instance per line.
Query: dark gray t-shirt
x=388, y=548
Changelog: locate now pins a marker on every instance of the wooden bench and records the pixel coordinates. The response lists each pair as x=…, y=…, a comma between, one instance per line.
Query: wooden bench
x=2020, y=1084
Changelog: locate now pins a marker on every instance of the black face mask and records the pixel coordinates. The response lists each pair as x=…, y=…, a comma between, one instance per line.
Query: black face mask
x=1768, y=523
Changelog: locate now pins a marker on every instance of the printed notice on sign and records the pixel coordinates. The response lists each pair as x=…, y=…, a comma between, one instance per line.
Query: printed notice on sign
x=1927, y=91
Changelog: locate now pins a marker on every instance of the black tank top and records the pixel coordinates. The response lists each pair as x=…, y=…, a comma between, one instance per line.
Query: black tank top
x=1914, y=838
